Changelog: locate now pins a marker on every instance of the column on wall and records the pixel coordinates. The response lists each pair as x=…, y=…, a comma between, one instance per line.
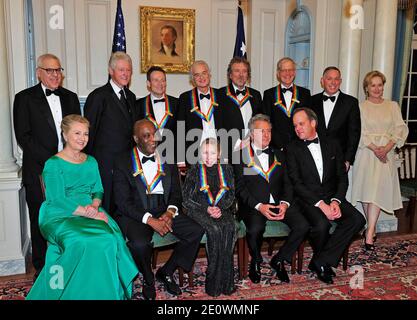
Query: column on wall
x=384, y=41
x=350, y=45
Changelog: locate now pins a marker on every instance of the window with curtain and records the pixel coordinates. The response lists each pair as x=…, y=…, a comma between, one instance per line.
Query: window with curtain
x=409, y=102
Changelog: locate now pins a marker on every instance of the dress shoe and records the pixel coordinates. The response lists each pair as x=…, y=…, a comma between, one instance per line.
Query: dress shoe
x=255, y=272
x=148, y=291
x=279, y=267
x=169, y=283
x=324, y=273
x=369, y=247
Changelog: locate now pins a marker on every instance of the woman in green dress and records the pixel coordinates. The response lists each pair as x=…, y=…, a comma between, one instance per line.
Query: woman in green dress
x=87, y=257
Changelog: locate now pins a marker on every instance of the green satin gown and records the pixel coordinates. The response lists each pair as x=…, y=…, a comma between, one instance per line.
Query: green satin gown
x=87, y=259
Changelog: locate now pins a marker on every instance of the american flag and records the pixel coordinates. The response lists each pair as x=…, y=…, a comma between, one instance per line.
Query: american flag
x=119, y=37
x=240, y=44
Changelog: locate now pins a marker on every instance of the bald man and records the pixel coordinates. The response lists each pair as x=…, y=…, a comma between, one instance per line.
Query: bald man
x=148, y=199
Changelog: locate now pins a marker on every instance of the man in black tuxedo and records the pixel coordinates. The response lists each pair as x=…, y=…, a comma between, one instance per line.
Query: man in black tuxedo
x=316, y=168
x=239, y=102
x=161, y=109
x=200, y=111
x=37, y=116
x=265, y=193
x=338, y=114
x=147, y=196
x=280, y=102
x=111, y=112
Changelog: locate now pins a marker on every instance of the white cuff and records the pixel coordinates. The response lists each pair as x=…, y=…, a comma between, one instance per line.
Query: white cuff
x=175, y=208
x=287, y=203
x=257, y=206
x=334, y=199
x=146, y=217
x=318, y=204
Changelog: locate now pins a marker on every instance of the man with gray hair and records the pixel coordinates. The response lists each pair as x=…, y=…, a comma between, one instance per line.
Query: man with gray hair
x=281, y=101
x=199, y=108
x=37, y=116
x=265, y=193
x=111, y=112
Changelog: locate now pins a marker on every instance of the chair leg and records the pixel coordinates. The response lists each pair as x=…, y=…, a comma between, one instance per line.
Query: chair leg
x=271, y=243
x=180, y=276
x=293, y=263
x=345, y=258
x=154, y=257
x=300, y=252
x=240, y=257
x=191, y=278
x=411, y=210
x=245, y=257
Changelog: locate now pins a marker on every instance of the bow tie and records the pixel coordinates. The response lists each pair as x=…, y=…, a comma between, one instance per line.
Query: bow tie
x=145, y=158
x=259, y=152
x=243, y=92
x=207, y=96
x=332, y=98
x=308, y=142
x=286, y=89
x=159, y=100
x=56, y=92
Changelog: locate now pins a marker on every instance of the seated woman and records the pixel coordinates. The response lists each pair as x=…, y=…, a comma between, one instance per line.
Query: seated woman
x=209, y=197
x=87, y=257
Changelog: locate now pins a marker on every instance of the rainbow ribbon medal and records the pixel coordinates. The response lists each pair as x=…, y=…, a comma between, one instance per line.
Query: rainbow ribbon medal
x=238, y=102
x=294, y=100
x=164, y=120
x=206, y=188
x=194, y=103
x=264, y=174
x=138, y=171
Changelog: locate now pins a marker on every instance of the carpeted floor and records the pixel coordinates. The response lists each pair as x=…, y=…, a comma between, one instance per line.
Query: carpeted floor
x=389, y=273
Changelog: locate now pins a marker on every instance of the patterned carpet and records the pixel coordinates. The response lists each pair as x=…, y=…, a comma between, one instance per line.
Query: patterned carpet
x=389, y=273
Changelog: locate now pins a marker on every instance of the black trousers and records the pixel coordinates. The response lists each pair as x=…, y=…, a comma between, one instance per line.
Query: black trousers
x=139, y=237
x=255, y=223
x=34, y=199
x=328, y=249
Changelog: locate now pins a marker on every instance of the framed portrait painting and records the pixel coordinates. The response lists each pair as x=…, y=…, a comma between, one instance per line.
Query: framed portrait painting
x=168, y=38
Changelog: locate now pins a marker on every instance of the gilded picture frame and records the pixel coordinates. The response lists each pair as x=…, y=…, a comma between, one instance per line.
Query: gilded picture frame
x=167, y=38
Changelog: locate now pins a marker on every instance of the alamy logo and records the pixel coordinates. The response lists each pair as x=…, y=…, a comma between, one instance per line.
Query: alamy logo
x=57, y=277
x=356, y=282
x=57, y=20
x=357, y=20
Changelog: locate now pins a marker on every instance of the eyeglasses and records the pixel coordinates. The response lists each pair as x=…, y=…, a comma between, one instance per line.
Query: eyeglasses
x=201, y=75
x=50, y=71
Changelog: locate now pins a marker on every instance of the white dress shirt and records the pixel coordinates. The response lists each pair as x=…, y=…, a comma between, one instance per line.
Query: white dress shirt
x=245, y=110
x=116, y=88
x=158, y=109
x=315, y=151
x=55, y=106
x=287, y=96
x=209, y=128
x=150, y=169
x=328, y=107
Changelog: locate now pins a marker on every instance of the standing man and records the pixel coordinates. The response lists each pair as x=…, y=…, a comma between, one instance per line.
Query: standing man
x=37, y=116
x=316, y=168
x=158, y=107
x=239, y=102
x=148, y=198
x=199, y=108
x=281, y=101
x=265, y=193
x=111, y=112
x=338, y=114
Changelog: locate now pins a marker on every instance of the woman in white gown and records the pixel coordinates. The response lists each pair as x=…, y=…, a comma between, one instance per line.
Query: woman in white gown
x=375, y=175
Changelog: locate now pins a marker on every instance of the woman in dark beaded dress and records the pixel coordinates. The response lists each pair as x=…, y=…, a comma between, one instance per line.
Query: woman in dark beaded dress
x=209, y=197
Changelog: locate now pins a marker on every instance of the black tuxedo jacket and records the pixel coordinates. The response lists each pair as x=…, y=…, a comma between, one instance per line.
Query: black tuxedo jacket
x=111, y=126
x=129, y=192
x=252, y=188
x=282, y=126
x=191, y=120
x=344, y=124
x=35, y=127
x=231, y=111
x=141, y=111
x=305, y=177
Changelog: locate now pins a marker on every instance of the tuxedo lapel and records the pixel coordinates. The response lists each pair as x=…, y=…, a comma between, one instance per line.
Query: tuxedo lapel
x=326, y=157
x=196, y=119
x=44, y=108
x=336, y=110
x=166, y=183
x=119, y=103
x=138, y=182
x=310, y=161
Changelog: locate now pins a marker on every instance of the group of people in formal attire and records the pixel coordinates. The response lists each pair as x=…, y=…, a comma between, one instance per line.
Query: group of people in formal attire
x=98, y=186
